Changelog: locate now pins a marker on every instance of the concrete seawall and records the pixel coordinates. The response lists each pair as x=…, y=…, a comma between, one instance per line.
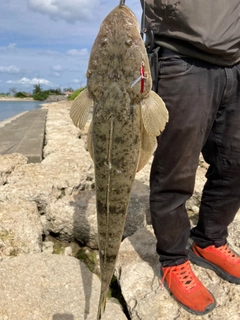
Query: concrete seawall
x=24, y=134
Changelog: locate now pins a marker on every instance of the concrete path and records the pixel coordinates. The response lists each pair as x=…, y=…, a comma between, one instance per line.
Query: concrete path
x=25, y=135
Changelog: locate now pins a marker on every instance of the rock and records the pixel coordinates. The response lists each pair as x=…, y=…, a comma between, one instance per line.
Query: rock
x=8, y=163
x=20, y=228
x=233, y=231
x=56, y=97
x=44, y=287
x=61, y=135
x=68, y=251
x=48, y=247
x=75, y=217
x=48, y=181
x=138, y=272
x=138, y=211
x=144, y=174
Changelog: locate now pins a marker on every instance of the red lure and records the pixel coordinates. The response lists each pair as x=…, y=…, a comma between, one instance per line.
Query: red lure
x=142, y=77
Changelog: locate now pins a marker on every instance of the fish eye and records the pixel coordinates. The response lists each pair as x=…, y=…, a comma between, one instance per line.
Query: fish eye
x=128, y=42
x=104, y=41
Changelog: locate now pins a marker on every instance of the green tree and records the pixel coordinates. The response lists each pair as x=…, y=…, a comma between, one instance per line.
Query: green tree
x=37, y=88
x=20, y=94
x=43, y=95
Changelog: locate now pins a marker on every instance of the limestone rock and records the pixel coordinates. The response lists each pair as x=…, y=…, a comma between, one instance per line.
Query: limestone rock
x=138, y=211
x=48, y=247
x=233, y=230
x=75, y=217
x=8, y=163
x=144, y=174
x=56, y=97
x=48, y=181
x=50, y=287
x=20, y=228
x=60, y=131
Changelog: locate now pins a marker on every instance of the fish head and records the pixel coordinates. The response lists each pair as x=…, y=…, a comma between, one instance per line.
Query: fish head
x=118, y=57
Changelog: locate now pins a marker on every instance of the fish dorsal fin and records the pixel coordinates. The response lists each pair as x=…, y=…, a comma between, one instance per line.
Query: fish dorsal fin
x=154, y=114
x=80, y=109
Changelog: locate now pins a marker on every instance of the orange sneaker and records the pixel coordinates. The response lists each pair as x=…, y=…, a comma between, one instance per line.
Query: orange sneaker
x=224, y=261
x=188, y=289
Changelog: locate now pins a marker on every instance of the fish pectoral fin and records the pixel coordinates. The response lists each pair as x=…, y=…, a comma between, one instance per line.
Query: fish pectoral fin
x=148, y=146
x=89, y=141
x=154, y=114
x=80, y=109
x=154, y=118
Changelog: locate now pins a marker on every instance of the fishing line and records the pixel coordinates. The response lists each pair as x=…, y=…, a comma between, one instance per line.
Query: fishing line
x=143, y=21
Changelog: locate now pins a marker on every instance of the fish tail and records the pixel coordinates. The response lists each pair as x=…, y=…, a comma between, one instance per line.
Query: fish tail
x=101, y=306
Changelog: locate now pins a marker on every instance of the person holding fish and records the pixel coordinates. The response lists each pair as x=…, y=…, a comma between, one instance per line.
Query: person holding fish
x=198, y=45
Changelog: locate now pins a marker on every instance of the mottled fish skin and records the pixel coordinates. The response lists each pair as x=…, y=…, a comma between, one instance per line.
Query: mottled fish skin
x=123, y=130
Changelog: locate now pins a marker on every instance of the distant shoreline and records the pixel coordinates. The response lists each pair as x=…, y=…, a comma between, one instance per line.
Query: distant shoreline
x=15, y=99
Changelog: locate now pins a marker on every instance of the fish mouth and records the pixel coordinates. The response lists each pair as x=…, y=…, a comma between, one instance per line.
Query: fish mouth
x=127, y=11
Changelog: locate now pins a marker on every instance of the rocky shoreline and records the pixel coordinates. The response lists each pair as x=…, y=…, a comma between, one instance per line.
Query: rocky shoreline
x=54, y=200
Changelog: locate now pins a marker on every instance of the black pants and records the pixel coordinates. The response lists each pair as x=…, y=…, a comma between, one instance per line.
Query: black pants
x=204, y=115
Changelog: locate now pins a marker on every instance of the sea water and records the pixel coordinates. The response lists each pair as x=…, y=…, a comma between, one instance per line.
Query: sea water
x=9, y=109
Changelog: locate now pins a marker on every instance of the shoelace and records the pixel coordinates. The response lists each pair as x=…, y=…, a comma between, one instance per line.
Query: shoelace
x=228, y=252
x=183, y=272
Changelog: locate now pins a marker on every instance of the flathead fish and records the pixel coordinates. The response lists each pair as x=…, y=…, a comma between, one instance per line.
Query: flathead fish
x=127, y=118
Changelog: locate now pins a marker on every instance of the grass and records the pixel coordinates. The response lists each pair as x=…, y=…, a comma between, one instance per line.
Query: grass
x=75, y=93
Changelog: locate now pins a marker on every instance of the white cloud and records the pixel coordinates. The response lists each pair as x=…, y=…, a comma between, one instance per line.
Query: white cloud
x=11, y=46
x=76, y=81
x=74, y=52
x=57, y=67
x=68, y=10
x=48, y=53
x=10, y=69
x=26, y=81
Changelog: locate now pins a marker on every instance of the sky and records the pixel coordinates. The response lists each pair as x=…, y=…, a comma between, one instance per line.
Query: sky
x=48, y=42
